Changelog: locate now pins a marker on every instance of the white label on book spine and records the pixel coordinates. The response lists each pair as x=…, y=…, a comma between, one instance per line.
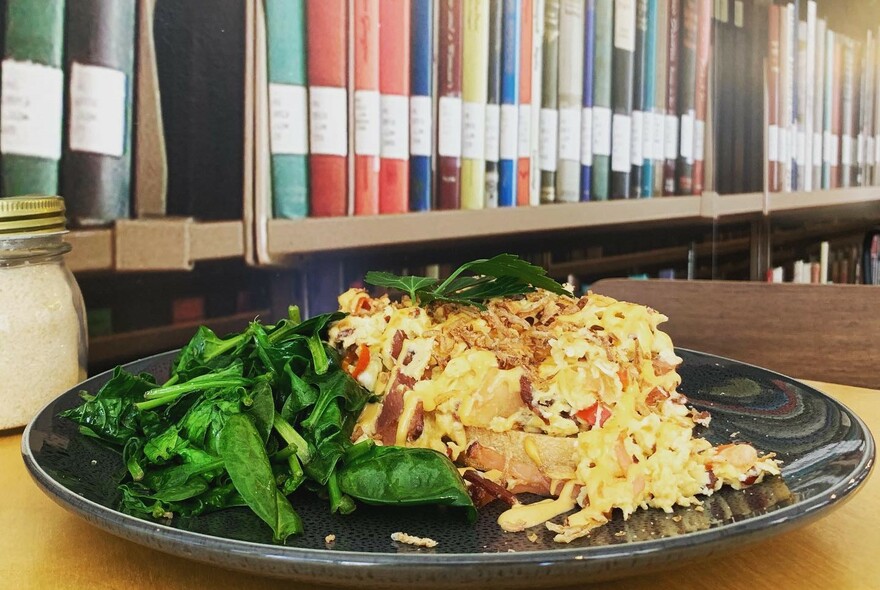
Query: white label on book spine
x=827, y=154
x=493, y=132
x=846, y=154
x=587, y=136
x=817, y=149
x=687, y=137
x=670, y=138
x=449, y=127
x=601, y=131
x=773, y=143
x=658, y=136
x=367, y=123
x=877, y=149
x=800, y=147
x=625, y=24
x=570, y=134
x=834, y=149
x=621, y=137
x=524, y=132
x=861, y=149
x=473, y=140
x=97, y=110
x=395, y=126
x=30, y=113
x=328, y=121
x=548, y=139
x=648, y=135
x=288, y=119
x=420, y=123
x=637, y=143
x=699, y=140
x=738, y=13
x=509, y=122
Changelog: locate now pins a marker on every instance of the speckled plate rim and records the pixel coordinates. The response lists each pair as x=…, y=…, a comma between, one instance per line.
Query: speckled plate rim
x=211, y=549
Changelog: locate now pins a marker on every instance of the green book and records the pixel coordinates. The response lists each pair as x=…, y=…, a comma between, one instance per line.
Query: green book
x=32, y=97
x=288, y=115
x=602, y=99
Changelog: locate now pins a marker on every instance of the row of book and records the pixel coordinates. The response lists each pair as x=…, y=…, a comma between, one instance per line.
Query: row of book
x=124, y=107
x=386, y=106
x=839, y=265
x=823, y=112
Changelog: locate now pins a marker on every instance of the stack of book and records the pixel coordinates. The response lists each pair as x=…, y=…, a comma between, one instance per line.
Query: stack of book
x=81, y=96
x=823, y=113
x=388, y=106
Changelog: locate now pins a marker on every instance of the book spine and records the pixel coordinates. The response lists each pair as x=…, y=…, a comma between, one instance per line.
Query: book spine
x=32, y=97
x=602, y=95
x=686, y=95
x=535, y=111
x=800, y=103
x=622, y=97
x=877, y=109
x=549, y=119
x=662, y=31
x=836, y=108
x=671, y=121
x=328, y=107
x=421, y=107
x=288, y=107
x=809, y=98
x=819, y=103
x=701, y=96
x=96, y=163
x=587, y=101
x=638, y=107
x=828, y=109
x=868, y=110
x=792, y=94
x=570, y=77
x=648, y=96
x=449, y=105
x=524, y=131
x=847, y=112
x=474, y=91
x=786, y=81
x=510, y=72
x=394, y=69
x=493, y=102
x=367, y=107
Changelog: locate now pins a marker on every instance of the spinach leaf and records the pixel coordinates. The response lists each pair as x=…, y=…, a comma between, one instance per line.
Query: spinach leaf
x=404, y=476
x=248, y=466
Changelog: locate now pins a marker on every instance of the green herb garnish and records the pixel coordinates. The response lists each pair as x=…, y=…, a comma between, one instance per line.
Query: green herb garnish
x=501, y=276
x=247, y=420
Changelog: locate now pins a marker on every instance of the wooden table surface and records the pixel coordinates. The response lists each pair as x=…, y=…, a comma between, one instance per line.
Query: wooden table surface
x=44, y=546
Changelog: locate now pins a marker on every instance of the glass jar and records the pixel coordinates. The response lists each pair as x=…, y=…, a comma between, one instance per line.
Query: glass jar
x=43, y=340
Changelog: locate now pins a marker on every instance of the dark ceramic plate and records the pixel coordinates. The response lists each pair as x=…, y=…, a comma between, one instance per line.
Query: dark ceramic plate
x=827, y=453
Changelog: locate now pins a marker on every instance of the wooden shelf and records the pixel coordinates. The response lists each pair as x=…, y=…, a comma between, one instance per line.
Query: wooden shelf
x=154, y=245
x=127, y=346
x=779, y=202
x=308, y=236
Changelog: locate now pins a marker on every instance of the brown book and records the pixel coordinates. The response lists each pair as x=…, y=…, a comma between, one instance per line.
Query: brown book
x=450, y=106
x=686, y=98
x=670, y=135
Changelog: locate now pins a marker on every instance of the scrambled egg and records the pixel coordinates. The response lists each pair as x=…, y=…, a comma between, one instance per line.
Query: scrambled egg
x=573, y=398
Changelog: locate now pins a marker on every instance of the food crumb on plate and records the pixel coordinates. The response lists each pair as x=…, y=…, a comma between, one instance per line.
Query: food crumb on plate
x=533, y=537
x=620, y=534
x=330, y=538
x=698, y=508
x=734, y=434
x=94, y=461
x=676, y=518
x=413, y=540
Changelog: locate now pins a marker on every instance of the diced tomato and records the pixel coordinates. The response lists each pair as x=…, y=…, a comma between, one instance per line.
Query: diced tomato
x=597, y=414
x=624, y=377
x=362, y=303
x=363, y=360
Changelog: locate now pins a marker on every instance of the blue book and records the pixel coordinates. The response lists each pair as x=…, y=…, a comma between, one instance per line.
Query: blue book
x=507, y=167
x=421, y=108
x=587, y=117
x=648, y=92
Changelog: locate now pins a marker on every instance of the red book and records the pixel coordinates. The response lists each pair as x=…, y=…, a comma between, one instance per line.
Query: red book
x=701, y=94
x=449, y=105
x=367, y=109
x=328, y=107
x=394, y=48
x=525, y=104
x=773, y=101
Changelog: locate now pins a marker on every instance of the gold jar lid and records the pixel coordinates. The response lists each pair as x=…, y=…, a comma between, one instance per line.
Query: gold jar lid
x=32, y=215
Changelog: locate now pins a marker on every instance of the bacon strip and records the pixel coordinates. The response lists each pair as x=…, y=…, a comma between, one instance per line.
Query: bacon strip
x=495, y=490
